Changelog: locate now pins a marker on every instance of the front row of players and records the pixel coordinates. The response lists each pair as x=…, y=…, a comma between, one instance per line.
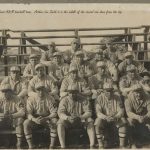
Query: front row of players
x=74, y=111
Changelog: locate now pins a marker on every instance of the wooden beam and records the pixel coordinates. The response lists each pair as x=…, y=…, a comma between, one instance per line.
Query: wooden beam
x=80, y=36
x=79, y=29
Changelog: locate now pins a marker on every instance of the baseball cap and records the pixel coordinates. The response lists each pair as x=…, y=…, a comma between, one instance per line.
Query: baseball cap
x=14, y=68
x=76, y=40
x=57, y=54
x=79, y=53
x=33, y=56
x=131, y=68
x=136, y=87
x=108, y=86
x=39, y=66
x=127, y=54
x=100, y=64
x=72, y=68
x=39, y=86
x=73, y=88
x=5, y=87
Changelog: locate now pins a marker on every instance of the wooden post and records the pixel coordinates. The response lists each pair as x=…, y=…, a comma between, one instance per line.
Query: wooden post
x=127, y=31
x=76, y=34
x=4, y=42
x=135, y=46
x=140, y=53
x=146, y=30
x=22, y=50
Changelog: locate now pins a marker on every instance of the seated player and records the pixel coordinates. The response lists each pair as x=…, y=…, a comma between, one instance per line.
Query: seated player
x=17, y=83
x=46, y=57
x=137, y=107
x=129, y=60
x=48, y=82
x=110, y=67
x=131, y=78
x=84, y=67
x=145, y=82
x=69, y=54
x=73, y=78
x=12, y=112
x=74, y=112
x=97, y=81
x=58, y=70
x=110, y=111
x=29, y=70
x=40, y=113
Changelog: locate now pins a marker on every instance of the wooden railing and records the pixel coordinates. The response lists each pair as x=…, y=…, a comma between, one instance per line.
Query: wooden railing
x=130, y=39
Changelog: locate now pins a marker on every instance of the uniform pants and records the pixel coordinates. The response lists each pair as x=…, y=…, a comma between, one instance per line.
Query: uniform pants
x=8, y=124
x=101, y=124
x=30, y=125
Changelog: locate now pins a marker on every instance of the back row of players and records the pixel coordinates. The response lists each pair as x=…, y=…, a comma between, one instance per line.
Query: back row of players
x=77, y=92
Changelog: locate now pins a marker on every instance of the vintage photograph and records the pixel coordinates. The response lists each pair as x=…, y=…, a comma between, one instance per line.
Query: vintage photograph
x=74, y=76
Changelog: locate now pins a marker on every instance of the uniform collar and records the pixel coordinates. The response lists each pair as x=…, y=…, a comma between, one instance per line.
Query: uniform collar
x=101, y=77
x=40, y=99
x=44, y=76
x=112, y=97
x=71, y=99
x=5, y=100
x=18, y=80
x=72, y=79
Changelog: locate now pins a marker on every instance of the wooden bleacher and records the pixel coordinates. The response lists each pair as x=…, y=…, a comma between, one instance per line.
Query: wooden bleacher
x=135, y=38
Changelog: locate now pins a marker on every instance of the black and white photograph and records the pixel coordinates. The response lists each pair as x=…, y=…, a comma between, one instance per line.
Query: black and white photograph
x=74, y=76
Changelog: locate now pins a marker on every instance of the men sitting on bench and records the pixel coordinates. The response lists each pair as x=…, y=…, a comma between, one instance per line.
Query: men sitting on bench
x=138, y=109
x=110, y=110
x=41, y=112
x=73, y=83
x=17, y=83
x=29, y=70
x=12, y=112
